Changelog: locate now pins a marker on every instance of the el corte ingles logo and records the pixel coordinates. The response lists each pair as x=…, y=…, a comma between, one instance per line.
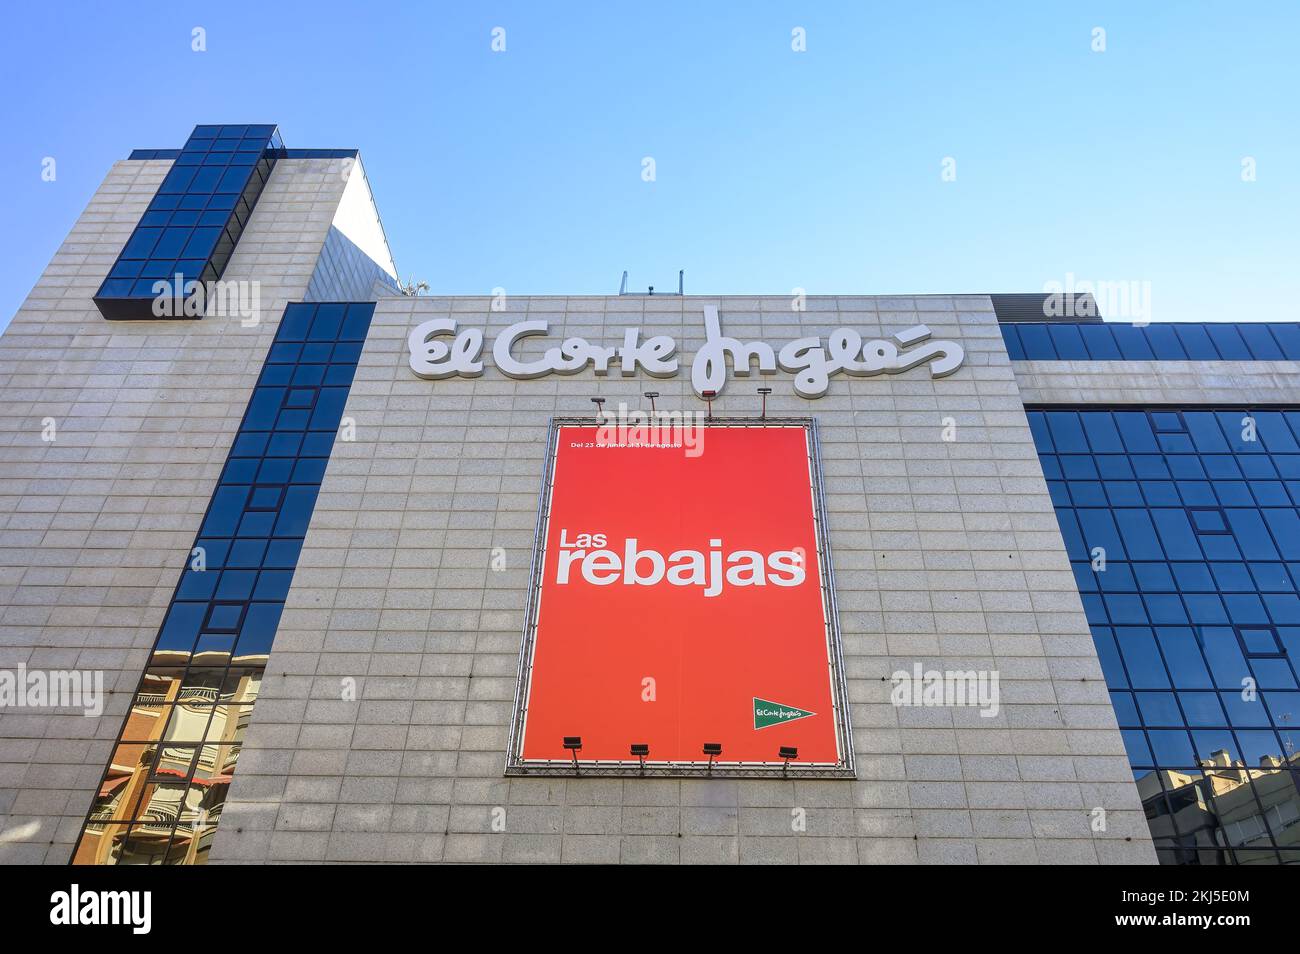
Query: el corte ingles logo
x=774, y=713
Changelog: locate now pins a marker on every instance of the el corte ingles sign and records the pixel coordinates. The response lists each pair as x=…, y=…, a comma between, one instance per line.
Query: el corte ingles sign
x=811, y=363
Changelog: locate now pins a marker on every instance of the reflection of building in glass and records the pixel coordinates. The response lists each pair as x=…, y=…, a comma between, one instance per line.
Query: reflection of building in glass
x=167, y=780
x=1226, y=814
x=163, y=790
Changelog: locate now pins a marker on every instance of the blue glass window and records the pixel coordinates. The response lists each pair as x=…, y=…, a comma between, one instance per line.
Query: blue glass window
x=1133, y=343
x=1037, y=343
x=1100, y=343
x=1068, y=342
x=1175, y=341
x=1228, y=343
x=1259, y=342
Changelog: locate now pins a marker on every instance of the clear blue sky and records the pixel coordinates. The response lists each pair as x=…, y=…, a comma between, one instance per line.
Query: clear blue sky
x=775, y=169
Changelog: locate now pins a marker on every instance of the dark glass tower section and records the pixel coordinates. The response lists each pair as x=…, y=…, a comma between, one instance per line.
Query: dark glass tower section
x=162, y=792
x=190, y=229
x=1183, y=529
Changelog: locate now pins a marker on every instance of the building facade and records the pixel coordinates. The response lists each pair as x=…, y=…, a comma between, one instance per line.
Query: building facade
x=295, y=520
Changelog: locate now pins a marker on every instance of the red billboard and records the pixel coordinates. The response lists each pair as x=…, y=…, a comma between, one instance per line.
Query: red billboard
x=679, y=600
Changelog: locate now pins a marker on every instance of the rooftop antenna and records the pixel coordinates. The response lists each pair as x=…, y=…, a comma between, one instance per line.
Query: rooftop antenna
x=413, y=287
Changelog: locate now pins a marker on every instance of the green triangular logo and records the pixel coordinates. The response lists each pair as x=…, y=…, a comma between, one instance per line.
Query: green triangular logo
x=774, y=713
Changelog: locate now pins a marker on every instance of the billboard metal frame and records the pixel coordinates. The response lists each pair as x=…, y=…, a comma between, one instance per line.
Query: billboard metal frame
x=844, y=769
